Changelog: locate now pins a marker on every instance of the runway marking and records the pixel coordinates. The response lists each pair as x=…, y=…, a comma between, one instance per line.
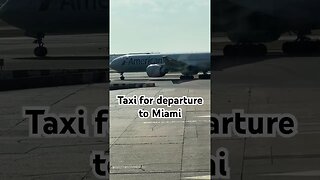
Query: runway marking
x=127, y=167
x=198, y=177
x=299, y=173
x=205, y=116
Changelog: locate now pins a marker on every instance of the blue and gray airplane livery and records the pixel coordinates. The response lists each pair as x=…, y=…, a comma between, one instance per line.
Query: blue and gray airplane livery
x=38, y=18
x=158, y=65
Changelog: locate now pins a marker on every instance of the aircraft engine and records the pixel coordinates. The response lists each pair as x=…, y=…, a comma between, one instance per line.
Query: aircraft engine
x=156, y=70
x=253, y=27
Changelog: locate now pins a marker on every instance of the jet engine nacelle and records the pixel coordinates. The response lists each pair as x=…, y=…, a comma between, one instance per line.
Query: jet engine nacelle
x=156, y=70
x=253, y=27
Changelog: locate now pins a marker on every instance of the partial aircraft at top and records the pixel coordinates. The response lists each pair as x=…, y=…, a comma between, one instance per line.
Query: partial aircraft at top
x=38, y=18
x=249, y=23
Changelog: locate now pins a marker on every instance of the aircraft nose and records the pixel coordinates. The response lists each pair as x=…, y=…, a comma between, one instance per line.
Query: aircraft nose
x=116, y=63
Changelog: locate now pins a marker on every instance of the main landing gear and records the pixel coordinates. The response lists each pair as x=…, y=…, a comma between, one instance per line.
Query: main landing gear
x=244, y=49
x=186, y=77
x=191, y=77
x=41, y=50
x=302, y=45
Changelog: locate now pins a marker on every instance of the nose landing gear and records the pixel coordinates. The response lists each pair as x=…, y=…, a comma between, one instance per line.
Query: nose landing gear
x=121, y=77
x=41, y=50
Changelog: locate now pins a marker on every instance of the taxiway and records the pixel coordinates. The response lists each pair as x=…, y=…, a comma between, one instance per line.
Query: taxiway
x=272, y=84
x=160, y=148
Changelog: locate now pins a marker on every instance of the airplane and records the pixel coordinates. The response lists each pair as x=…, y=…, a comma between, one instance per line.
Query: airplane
x=250, y=23
x=158, y=65
x=38, y=18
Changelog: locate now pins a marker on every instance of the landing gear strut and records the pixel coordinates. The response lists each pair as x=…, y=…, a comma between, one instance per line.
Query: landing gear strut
x=41, y=50
x=121, y=77
x=245, y=50
x=302, y=45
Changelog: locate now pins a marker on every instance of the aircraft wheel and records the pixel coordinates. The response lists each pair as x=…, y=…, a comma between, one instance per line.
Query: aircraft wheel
x=40, y=51
x=121, y=76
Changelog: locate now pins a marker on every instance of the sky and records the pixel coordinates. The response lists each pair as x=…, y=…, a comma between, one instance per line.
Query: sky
x=165, y=26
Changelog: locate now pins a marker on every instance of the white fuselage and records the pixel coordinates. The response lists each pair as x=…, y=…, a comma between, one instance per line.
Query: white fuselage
x=139, y=62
